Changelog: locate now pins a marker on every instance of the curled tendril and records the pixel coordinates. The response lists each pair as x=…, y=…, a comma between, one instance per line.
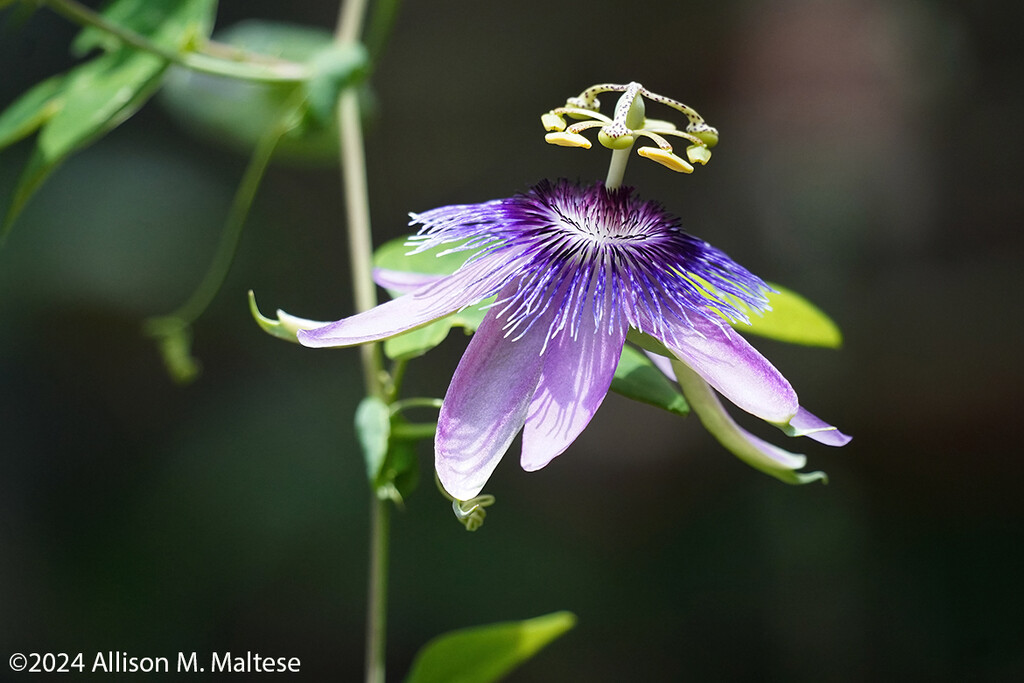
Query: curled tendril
x=470, y=513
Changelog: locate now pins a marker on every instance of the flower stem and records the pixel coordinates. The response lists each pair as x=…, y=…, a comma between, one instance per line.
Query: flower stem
x=360, y=242
x=377, y=598
x=247, y=66
x=617, y=168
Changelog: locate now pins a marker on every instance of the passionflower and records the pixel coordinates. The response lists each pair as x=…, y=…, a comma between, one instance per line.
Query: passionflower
x=573, y=270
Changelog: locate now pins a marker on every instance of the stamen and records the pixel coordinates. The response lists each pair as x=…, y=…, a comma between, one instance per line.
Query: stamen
x=629, y=121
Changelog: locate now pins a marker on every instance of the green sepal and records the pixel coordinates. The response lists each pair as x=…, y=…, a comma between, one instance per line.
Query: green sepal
x=486, y=653
x=709, y=410
x=792, y=319
x=637, y=378
x=285, y=327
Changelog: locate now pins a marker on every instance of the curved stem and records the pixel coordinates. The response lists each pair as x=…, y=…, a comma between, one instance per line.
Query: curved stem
x=189, y=311
x=254, y=68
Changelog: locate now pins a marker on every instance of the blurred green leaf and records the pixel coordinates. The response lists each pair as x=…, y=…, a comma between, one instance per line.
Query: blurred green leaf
x=792, y=319
x=373, y=428
x=638, y=379
x=31, y=110
x=95, y=98
x=486, y=653
x=173, y=24
x=334, y=69
x=208, y=105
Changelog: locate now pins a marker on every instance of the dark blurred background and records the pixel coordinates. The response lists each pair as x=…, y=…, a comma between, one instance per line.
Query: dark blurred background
x=870, y=159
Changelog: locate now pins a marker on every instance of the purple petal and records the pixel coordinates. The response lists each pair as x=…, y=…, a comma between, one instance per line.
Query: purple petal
x=735, y=368
x=749, y=448
x=486, y=405
x=806, y=424
x=472, y=283
x=401, y=281
x=576, y=376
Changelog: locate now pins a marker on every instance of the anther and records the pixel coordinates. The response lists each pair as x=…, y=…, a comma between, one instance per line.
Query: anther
x=567, y=140
x=666, y=159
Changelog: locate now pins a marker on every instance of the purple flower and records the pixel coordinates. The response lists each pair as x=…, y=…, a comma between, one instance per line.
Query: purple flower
x=572, y=269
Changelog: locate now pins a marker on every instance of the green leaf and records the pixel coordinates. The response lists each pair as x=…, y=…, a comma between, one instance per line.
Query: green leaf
x=96, y=98
x=415, y=343
x=373, y=428
x=208, y=105
x=486, y=653
x=173, y=24
x=96, y=95
x=401, y=468
x=31, y=110
x=334, y=69
x=638, y=379
x=394, y=255
x=792, y=319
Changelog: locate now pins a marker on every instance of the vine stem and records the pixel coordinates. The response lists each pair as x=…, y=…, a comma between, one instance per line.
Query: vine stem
x=360, y=243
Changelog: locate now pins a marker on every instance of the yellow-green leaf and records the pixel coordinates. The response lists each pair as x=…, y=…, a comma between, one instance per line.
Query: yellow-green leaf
x=792, y=319
x=486, y=653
